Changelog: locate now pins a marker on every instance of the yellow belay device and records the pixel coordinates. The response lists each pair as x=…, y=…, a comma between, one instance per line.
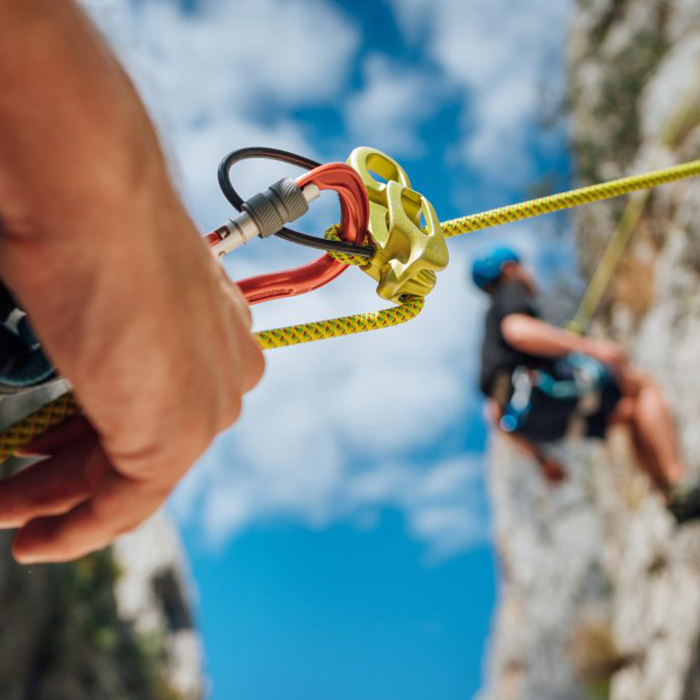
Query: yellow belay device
x=409, y=249
x=406, y=256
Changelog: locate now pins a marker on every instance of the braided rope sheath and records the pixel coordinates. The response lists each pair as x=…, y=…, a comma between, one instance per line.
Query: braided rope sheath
x=53, y=413
x=566, y=200
x=345, y=325
x=347, y=258
x=25, y=430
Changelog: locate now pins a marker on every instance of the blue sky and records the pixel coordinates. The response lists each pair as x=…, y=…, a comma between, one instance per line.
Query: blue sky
x=339, y=534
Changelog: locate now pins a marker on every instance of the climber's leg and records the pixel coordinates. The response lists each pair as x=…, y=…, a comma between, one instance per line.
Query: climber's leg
x=625, y=415
x=656, y=443
x=653, y=429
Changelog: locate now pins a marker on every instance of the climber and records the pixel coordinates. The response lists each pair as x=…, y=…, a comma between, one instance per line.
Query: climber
x=132, y=309
x=544, y=384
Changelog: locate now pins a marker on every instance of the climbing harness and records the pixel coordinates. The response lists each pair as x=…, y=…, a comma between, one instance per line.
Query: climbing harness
x=380, y=231
x=576, y=379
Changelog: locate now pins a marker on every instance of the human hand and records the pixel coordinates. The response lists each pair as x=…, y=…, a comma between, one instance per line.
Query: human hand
x=609, y=353
x=159, y=367
x=127, y=301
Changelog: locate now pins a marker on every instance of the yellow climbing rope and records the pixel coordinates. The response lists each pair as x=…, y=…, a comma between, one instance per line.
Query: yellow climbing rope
x=345, y=325
x=546, y=205
x=333, y=328
x=567, y=200
x=22, y=432
x=25, y=430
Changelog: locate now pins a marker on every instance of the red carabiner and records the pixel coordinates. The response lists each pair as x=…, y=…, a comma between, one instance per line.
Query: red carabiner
x=354, y=218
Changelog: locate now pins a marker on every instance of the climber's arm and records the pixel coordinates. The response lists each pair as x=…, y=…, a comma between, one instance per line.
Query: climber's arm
x=535, y=337
x=551, y=469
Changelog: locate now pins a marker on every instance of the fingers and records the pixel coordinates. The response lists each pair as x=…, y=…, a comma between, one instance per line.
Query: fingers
x=74, y=502
x=53, y=486
x=119, y=506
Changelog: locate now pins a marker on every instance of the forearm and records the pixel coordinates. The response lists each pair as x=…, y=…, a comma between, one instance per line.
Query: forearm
x=94, y=242
x=70, y=121
x=83, y=185
x=126, y=299
x=534, y=337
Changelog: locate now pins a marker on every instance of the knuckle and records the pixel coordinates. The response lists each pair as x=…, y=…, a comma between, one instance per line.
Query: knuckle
x=256, y=366
x=232, y=412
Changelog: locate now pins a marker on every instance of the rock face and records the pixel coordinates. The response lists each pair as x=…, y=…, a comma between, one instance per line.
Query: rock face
x=108, y=627
x=154, y=592
x=113, y=626
x=601, y=592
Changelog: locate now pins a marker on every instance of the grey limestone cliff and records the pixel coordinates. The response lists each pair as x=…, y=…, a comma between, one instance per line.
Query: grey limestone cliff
x=601, y=591
x=117, y=625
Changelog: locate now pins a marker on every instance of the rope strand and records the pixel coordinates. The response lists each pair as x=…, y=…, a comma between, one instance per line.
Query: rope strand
x=679, y=121
x=53, y=413
x=567, y=200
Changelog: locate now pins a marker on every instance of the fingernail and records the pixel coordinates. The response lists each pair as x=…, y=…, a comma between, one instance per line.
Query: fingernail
x=27, y=452
x=25, y=558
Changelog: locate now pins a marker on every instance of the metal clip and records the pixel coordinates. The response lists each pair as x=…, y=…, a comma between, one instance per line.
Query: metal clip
x=263, y=214
x=406, y=256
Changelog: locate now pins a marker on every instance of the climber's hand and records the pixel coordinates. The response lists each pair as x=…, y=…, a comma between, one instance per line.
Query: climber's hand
x=125, y=297
x=609, y=353
x=552, y=470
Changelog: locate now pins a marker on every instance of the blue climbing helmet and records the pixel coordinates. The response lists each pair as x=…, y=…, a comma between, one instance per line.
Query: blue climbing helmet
x=487, y=268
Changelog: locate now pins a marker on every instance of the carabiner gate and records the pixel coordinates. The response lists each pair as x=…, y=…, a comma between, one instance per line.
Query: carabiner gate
x=285, y=201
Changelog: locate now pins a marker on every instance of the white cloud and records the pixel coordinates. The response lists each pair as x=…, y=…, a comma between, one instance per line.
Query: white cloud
x=233, y=54
x=450, y=529
x=317, y=435
x=221, y=77
x=392, y=104
x=504, y=54
x=332, y=431
x=444, y=505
